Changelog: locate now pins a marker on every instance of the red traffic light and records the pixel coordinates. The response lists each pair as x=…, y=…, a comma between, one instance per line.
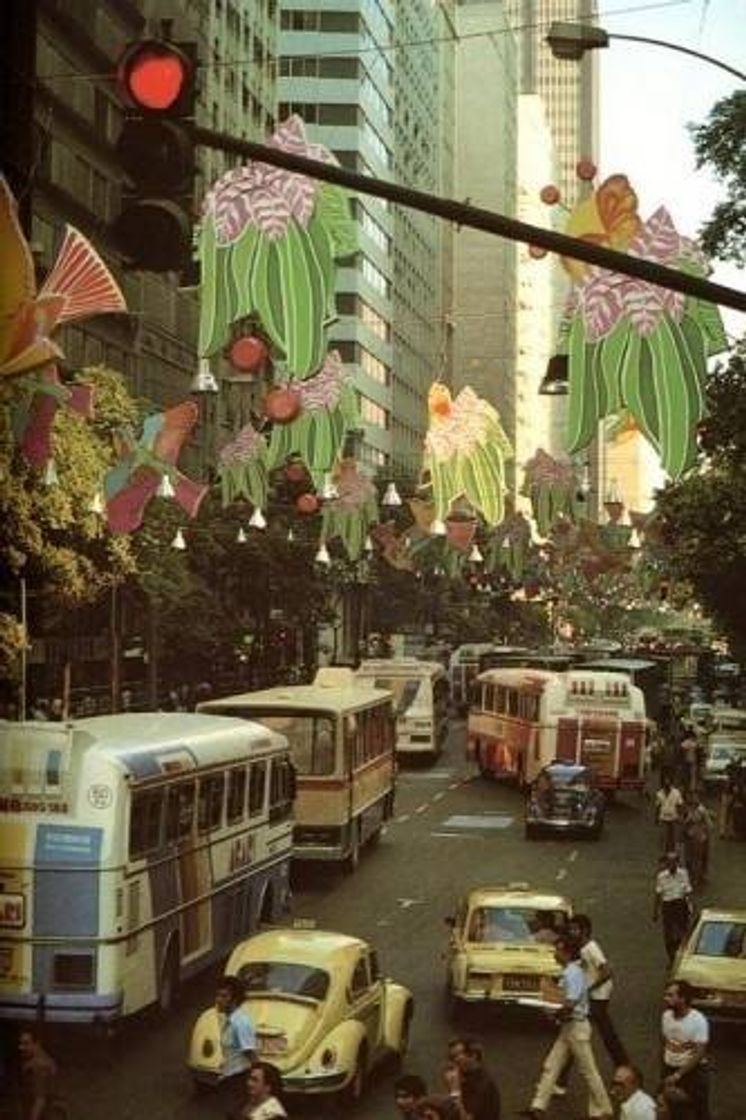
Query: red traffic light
x=155, y=76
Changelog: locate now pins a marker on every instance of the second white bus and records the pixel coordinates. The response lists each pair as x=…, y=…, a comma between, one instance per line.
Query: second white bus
x=420, y=691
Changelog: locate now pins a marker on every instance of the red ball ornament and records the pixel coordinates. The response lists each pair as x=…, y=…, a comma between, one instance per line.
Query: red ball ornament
x=282, y=405
x=585, y=169
x=307, y=503
x=295, y=472
x=537, y=252
x=550, y=194
x=247, y=353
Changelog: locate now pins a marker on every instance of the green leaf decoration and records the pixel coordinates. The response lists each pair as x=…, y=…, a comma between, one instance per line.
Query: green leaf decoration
x=637, y=387
x=610, y=353
x=350, y=526
x=678, y=402
x=334, y=212
x=708, y=318
x=317, y=437
x=245, y=480
x=584, y=406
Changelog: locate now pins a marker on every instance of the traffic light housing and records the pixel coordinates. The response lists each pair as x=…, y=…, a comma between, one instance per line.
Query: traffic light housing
x=157, y=85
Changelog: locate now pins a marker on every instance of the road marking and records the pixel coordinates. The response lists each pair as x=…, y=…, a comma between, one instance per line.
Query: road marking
x=404, y=817
x=454, y=785
x=479, y=821
x=572, y=856
x=426, y=775
x=408, y=903
x=561, y=873
x=439, y=796
x=455, y=835
x=421, y=808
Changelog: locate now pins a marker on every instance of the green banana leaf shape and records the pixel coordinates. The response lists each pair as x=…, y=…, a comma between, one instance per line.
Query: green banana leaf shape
x=268, y=245
x=465, y=453
x=353, y=512
x=551, y=486
x=328, y=412
x=510, y=547
x=243, y=469
x=637, y=347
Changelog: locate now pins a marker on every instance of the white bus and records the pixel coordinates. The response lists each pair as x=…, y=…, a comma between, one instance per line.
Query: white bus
x=134, y=850
x=342, y=741
x=420, y=690
x=462, y=669
x=522, y=719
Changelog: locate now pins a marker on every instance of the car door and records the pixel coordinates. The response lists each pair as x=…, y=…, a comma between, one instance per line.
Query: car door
x=365, y=999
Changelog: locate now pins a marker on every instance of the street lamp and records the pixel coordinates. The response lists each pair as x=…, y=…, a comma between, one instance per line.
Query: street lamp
x=555, y=381
x=570, y=41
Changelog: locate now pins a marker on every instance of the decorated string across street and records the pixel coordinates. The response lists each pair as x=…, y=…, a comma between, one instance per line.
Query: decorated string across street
x=269, y=242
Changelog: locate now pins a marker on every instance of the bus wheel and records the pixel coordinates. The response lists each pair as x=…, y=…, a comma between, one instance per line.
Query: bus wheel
x=168, y=987
x=352, y=858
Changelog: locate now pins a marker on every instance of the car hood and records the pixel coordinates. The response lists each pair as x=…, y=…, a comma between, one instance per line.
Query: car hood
x=513, y=958
x=713, y=972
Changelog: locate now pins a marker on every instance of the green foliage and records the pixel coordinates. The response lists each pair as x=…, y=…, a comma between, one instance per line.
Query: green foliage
x=720, y=143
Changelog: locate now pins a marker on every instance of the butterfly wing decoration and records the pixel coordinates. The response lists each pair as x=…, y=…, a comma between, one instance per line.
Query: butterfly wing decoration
x=393, y=546
x=34, y=414
x=79, y=285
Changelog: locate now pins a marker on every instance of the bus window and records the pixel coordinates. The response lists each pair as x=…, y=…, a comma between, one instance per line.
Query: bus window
x=350, y=733
x=210, y=802
x=145, y=822
x=501, y=700
x=236, y=795
x=256, y=788
x=512, y=702
x=489, y=698
x=280, y=790
x=179, y=811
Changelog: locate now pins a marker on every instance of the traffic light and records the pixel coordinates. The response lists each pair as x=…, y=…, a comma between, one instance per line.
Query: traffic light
x=157, y=85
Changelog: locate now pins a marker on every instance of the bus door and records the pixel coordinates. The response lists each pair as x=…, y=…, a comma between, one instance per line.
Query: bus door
x=599, y=745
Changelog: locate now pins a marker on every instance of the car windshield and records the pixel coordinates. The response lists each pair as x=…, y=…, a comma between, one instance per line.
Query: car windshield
x=515, y=924
x=283, y=978
x=722, y=939
x=571, y=779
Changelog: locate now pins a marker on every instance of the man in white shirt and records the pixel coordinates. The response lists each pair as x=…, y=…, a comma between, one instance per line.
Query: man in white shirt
x=686, y=1034
x=669, y=806
x=673, y=892
x=237, y=1039
x=634, y=1102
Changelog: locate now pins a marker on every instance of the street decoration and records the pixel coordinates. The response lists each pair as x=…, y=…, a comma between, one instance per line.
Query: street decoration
x=147, y=466
x=246, y=355
x=465, y=453
x=353, y=512
x=394, y=546
x=268, y=245
x=242, y=468
x=631, y=344
x=37, y=399
x=312, y=418
x=78, y=287
x=552, y=486
x=509, y=546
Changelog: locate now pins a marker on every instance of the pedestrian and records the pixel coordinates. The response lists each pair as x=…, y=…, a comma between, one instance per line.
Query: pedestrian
x=669, y=804
x=689, y=753
x=39, y=1097
x=686, y=1034
x=409, y=1089
x=600, y=984
x=264, y=1085
x=634, y=1102
x=469, y=1084
x=237, y=1040
x=573, y=1037
x=673, y=893
x=727, y=798
x=695, y=828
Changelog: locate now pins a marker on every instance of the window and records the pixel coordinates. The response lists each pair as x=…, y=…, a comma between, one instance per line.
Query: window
x=338, y=114
x=256, y=788
x=145, y=822
x=339, y=68
x=339, y=21
x=236, y=795
x=374, y=367
x=375, y=323
x=179, y=811
x=280, y=789
x=372, y=413
x=311, y=738
x=374, y=276
x=359, y=978
x=210, y=803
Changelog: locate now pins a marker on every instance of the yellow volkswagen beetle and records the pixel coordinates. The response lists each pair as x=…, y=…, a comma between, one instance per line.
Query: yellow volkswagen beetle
x=501, y=949
x=322, y=1012
x=713, y=960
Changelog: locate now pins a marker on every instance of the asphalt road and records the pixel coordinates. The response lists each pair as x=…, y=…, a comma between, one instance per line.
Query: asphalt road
x=452, y=830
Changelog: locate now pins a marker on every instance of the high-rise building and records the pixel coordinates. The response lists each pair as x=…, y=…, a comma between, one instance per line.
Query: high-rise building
x=485, y=298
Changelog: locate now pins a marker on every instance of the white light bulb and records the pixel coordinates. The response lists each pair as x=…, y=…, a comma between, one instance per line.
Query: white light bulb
x=165, y=488
x=97, y=504
x=391, y=496
x=258, y=520
x=438, y=528
x=322, y=556
x=179, y=541
x=241, y=536
x=475, y=556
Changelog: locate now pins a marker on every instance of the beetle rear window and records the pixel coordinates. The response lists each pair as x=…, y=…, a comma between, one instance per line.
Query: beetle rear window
x=282, y=978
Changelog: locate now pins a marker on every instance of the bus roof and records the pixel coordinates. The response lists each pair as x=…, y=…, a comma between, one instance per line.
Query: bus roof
x=618, y=665
x=137, y=740
x=306, y=697
x=400, y=667
x=516, y=676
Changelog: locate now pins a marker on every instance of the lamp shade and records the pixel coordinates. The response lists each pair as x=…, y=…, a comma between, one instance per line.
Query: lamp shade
x=204, y=380
x=258, y=520
x=179, y=541
x=391, y=496
x=322, y=556
x=556, y=378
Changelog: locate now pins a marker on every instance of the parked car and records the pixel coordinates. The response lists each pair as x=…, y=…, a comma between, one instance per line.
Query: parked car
x=563, y=798
x=720, y=753
x=501, y=947
x=713, y=960
x=324, y=1014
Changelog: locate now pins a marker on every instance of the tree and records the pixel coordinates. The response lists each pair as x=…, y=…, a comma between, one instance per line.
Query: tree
x=721, y=143
x=703, y=516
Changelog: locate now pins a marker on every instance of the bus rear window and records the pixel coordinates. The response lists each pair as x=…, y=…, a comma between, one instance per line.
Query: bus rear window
x=210, y=804
x=311, y=739
x=179, y=811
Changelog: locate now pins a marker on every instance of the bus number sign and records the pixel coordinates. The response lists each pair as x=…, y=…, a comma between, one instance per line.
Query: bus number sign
x=11, y=911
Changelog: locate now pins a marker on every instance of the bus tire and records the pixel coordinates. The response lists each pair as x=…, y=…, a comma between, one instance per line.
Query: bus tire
x=168, y=984
x=352, y=859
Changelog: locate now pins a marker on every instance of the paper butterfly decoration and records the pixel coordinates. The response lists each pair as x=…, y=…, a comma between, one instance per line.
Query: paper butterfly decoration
x=394, y=546
x=351, y=514
x=552, y=487
x=632, y=345
x=42, y=394
x=510, y=546
x=79, y=285
x=242, y=467
x=268, y=243
x=149, y=464
x=465, y=452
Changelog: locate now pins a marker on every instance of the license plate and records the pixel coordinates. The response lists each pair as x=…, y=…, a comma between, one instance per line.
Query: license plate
x=272, y=1044
x=521, y=983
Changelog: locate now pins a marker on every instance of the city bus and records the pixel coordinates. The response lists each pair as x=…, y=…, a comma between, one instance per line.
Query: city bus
x=463, y=669
x=134, y=850
x=342, y=743
x=420, y=691
x=521, y=719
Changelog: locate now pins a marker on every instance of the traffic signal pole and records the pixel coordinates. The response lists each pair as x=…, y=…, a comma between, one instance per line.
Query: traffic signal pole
x=474, y=217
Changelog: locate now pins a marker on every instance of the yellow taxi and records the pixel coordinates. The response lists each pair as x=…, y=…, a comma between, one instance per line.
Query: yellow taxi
x=501, y=949
x=323, y=1013
x=713, y=960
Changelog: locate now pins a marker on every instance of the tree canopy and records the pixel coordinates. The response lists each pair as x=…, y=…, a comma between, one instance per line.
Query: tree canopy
x=720, y=143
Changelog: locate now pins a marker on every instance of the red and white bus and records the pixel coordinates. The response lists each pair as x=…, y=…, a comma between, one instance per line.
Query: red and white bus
x=521, y=719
